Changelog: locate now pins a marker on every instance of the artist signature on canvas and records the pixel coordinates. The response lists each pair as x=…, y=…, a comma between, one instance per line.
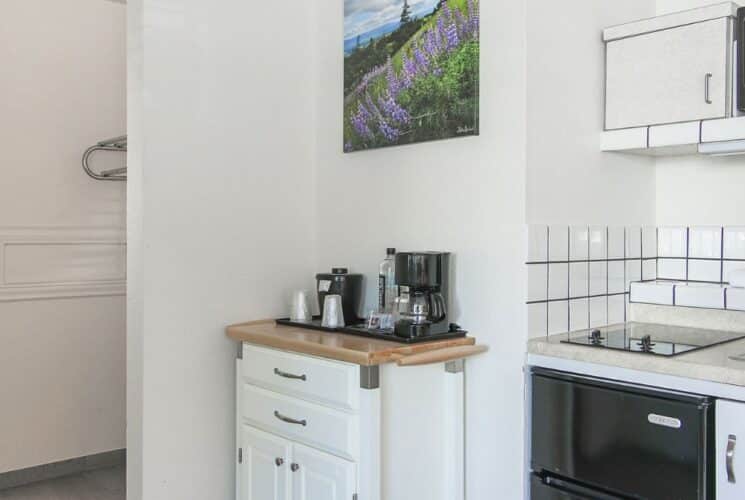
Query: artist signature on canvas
x=466, y=130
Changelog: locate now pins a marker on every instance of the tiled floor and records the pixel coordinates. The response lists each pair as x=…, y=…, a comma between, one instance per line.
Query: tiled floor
x=102, y=484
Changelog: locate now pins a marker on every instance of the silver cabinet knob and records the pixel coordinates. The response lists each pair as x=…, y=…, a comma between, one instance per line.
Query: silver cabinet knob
x=279, y=461
x=294, y=467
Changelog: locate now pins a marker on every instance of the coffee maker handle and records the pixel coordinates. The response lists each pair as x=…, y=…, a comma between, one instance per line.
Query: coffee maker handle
x=437, y=307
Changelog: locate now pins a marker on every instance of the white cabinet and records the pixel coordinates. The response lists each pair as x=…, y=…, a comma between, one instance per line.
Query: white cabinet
x=730, y=450
x=317, y=475
x=263, y=466
x=673, y=75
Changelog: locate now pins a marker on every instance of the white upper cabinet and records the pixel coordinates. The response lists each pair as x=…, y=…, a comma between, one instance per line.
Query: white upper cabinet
x=730, y=462
x=673, y=75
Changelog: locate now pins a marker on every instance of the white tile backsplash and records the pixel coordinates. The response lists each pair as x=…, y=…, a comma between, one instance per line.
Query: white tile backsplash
x=616, y=238
x=598, y=278
x=537, y=282
x=731, y=266
x=649, y=270
x=653, y=293
x=649, y=242
x=537, y=243
x=578, y=279
x=705, y=270
x=633, y=272
x=672, y=241
x=537, y=320
x=579, y=314
x=578, y=243
x=699, y=295
x=616, y=309
x=734, y=242
x=558, y=281
x=705, y=243
x=598, y=243
x=736, y=299
x=558, y=317
x=558, y=243
x=598, y=311
x=671, y=269
x=633, y=242
x=616, y=273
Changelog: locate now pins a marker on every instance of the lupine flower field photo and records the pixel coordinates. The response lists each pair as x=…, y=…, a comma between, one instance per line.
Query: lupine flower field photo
x=411, y=71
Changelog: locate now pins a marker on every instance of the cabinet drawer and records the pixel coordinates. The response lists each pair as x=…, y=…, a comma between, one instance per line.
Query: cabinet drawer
x=327, y=382
x=323, y=428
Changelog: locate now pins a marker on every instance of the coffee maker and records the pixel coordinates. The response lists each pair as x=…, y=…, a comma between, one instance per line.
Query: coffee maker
x=424, y=277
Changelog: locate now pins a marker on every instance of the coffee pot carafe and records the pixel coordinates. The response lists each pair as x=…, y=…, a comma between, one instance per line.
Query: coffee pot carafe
x=423, y=278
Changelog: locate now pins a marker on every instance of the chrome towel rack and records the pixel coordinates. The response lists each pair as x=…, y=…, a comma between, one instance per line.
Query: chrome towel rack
x=117, y=144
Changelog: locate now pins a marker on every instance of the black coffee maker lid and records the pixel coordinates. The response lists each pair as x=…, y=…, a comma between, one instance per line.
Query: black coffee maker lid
x=420, y=269
x=339, y=270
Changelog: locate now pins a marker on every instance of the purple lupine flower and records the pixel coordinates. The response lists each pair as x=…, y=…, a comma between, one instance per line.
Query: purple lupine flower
x=460, y=23
x=359, y=121
x=452, y=37
x=394, y=85
x=409, y=71
x=373, y=109
x=420, y=58
x=348, y=148
x=430, y=43
x=390, y=133
x=393, y=110
x=473, y=18
x=446, y=12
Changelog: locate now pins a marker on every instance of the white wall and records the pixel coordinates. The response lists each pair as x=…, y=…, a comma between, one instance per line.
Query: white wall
x=463, y=195
x=570, y=181
x=223, y=205
x=698, y=190
x=62, y=363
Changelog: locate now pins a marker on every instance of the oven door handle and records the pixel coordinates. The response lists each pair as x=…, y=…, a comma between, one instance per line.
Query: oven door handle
x=730, y=459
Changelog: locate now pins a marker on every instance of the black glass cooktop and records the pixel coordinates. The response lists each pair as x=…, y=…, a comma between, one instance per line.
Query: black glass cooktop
x=649, y=338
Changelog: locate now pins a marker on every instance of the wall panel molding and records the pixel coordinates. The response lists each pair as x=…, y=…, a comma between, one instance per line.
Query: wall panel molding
x=45, y=263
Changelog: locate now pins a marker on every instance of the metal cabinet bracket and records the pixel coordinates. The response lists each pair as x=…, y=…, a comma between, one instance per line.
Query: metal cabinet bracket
x=457, y=366
x=369, y=377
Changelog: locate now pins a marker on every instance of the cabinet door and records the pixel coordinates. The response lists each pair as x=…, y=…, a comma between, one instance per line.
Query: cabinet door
x=318, y=475
x=662, y=77
x=730, y=462
x=264, y=469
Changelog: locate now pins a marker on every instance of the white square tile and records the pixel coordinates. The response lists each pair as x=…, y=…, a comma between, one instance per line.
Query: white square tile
x=729, y=267
x=558, y=317
x=736, y=299
x=649, y=242
x=537, y=320
x=734, y=242
x=649, y=270
x=633, y=272
x=616, y=273
x=598, y=242
x=704, y=270
x=578, y=279
x=633, y=242
x=598, y=311
x=671, y=269
x=616, y=309
x=598, y=278
x=700, y=295
x=653, y=293
x=672, y=241
x=537, y=243
x=558, y=281
x=537, y=282
x=616, y=238
x=578, y=243
x=579, y=314
x=558, y=243
x=705, y=242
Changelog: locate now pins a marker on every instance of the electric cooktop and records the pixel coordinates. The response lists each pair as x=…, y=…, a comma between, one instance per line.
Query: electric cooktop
x=649, y=338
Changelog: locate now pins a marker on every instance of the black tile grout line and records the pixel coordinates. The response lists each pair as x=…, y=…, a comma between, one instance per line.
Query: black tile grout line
x=548, y=278
x=721, y=254
x=569, y=277
x=600, y=296
x=625, y=317
x=688, y=248
x=589, y=277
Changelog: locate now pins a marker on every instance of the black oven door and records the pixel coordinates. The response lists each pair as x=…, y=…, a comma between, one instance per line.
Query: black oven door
x=626, y=441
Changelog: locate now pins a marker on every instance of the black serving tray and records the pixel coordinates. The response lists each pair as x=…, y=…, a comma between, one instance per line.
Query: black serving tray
x=361, y=331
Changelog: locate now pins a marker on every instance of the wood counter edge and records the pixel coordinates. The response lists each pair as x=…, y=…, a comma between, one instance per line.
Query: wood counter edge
x=394, y=354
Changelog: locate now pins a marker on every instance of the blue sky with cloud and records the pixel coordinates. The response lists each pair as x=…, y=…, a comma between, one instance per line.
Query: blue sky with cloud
x=362, y=16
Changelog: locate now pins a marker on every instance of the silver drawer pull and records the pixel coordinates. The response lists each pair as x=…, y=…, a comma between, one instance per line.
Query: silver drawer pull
x=279, y=372
x=290, y=420
x=731, y=458
x=294, y=467
x=707, y=88
x=279, y=461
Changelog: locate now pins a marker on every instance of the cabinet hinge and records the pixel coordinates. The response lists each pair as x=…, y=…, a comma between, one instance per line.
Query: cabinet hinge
x=240, y=455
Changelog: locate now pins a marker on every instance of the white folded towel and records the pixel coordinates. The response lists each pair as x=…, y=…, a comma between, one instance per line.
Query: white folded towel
x=737, y=278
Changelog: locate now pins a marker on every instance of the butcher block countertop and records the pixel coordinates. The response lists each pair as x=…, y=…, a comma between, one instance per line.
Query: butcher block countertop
x=352, y=348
